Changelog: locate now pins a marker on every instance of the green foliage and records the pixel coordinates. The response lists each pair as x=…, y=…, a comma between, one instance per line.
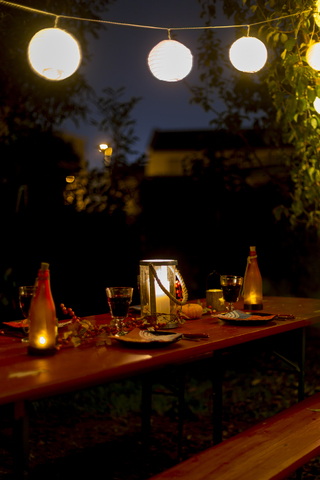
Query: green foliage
x=279, y=98
x=113, y=190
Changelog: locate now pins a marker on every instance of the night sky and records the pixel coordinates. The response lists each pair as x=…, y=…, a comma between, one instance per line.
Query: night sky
x=119, y=58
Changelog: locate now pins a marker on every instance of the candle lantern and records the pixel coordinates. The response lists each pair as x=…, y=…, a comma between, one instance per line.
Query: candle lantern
x=252, y=285
x=42, y=317
x=158, y=287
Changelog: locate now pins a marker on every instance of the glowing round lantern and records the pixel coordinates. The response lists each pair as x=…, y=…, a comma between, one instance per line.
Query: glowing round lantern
x=54, y=53
x=170, y=61
x=313, y=56
x=248, y=54
x=317, y=13
x=316, y=104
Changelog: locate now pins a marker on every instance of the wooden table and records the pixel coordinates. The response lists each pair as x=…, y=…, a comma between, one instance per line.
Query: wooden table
x=24, y=378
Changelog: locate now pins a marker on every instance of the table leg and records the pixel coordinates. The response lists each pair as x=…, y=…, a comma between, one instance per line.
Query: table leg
x=146, y=402
x=301, y=377
x=177, y=389
x=21, y=439
x=181, y=409
x=217, y=396
x=299, y=364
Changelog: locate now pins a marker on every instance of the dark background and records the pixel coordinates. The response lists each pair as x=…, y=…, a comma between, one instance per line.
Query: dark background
x=205, y=221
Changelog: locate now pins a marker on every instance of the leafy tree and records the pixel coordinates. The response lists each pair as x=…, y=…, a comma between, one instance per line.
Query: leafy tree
x=114, y=189
x=279, y=99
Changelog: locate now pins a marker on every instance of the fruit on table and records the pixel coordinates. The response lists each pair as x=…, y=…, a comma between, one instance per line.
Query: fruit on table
x=192, y=310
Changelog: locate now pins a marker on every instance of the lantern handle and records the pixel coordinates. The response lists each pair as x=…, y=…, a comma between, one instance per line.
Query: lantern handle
x=184, y=288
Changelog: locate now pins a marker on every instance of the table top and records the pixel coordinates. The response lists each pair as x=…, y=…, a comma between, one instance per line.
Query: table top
x=24, y=377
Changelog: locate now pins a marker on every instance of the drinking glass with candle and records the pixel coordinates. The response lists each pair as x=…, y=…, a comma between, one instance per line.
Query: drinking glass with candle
x=119, y=299
x=231, y=286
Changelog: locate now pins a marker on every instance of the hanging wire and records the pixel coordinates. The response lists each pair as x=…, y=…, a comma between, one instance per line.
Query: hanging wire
x=41, y=12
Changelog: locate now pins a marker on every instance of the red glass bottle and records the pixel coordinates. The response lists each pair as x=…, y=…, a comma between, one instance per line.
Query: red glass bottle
x=252, y=283
x=42, y=317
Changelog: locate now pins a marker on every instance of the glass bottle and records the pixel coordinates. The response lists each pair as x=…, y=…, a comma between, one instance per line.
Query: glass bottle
x=42, y=317
x=252, y=283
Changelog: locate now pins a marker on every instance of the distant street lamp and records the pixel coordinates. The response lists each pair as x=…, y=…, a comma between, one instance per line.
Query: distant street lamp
x=107, y=152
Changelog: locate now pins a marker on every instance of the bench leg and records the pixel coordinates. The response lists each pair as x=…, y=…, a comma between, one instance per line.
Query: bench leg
x=217, y=396
x=21, y=440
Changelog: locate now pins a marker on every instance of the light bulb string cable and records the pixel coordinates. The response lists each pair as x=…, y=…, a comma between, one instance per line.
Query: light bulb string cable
x=69, y=17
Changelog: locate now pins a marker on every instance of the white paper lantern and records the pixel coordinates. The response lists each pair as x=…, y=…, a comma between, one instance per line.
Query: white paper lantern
x=317, y=14
x=54, y=53
x=170, y=61
x=248, y=54
x=313, y=56
x=316, y=104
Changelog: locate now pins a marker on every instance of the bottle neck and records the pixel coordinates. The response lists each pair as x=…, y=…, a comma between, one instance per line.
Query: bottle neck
x=43, y=275
x=252, y=258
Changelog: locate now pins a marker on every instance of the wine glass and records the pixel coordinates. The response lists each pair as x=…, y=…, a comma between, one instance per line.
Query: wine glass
x=231, y=286
x=119, y=299
x=26, y=294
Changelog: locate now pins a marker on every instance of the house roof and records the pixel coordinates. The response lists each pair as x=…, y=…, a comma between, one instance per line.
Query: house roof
x=204, y=139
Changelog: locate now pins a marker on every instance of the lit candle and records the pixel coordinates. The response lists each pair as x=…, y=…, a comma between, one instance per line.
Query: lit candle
x=162, y=300
x=42, y=340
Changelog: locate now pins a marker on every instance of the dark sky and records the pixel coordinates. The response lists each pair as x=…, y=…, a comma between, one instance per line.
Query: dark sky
x=119, y=58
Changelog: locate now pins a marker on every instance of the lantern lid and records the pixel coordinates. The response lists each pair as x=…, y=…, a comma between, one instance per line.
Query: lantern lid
x=158, y=262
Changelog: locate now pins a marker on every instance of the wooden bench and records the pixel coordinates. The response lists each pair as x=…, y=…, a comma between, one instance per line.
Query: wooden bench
x=272, y=449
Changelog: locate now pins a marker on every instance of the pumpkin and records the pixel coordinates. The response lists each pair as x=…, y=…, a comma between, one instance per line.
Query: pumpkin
x=192, y=310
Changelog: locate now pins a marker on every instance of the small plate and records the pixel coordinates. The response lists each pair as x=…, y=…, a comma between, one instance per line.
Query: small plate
x=247, y=322
x=238, y=317
x=23, y=324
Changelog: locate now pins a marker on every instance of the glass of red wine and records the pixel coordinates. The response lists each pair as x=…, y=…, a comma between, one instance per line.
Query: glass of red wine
x=231, y=286
x=119, y=299
x=26, y=294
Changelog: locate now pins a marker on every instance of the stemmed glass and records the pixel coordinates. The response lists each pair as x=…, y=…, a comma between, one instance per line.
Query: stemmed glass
x=26, y=294
x=119, y=299
x=231, y=286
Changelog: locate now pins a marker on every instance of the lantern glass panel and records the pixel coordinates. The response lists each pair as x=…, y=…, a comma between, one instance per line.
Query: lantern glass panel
x=153, y=299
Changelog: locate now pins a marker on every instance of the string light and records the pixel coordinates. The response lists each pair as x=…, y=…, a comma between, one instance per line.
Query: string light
x=313, y=56
x=316, y=105
x=248, y=54
x=170, y=61
x=316, y=15
x=240, y=60
x=54, y=54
